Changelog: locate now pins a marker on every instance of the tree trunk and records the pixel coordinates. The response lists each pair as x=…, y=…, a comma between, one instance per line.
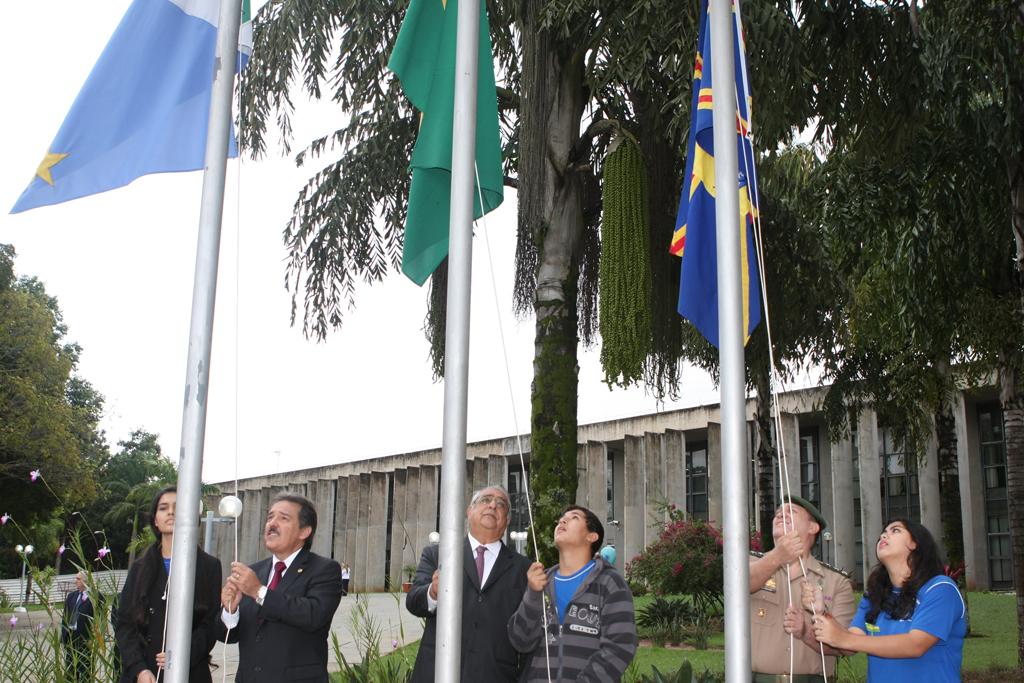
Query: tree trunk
x=765, y=461
x=949, y=478
x=551, y=209
x=1012, y=400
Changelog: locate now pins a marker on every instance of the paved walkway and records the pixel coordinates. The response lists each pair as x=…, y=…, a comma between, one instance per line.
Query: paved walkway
x=388, y=616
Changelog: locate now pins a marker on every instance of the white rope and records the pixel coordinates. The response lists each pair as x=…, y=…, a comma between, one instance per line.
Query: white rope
x=238, y=297
x=752, y=184
x=515, y=420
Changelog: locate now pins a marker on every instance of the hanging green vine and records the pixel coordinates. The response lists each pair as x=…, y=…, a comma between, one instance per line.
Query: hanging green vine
x=625, y=282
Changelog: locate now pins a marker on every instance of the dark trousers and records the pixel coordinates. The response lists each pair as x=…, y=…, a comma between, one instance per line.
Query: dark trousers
x=344, y=586
x=78, y=659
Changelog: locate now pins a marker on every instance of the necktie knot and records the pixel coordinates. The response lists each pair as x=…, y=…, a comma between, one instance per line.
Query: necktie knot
x=279, y=568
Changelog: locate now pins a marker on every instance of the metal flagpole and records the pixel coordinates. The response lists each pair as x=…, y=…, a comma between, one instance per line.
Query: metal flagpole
x=731, y=336
x=197, y=373
x=456, y=356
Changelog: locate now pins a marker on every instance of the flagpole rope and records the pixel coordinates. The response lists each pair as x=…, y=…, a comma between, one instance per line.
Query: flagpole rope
x=238, y=297
x=752, y=188
x=515, y=419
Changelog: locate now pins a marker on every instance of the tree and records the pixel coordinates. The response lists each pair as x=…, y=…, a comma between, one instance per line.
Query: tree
x=574, y=76
x=128, y=480
x=931, y=289
x=49, y=415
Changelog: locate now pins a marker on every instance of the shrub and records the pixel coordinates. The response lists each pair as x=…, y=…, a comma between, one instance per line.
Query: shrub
x=665, y=621
x=685, y=560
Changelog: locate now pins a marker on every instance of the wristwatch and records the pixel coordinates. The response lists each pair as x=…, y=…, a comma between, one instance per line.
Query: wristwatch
x=261, y=595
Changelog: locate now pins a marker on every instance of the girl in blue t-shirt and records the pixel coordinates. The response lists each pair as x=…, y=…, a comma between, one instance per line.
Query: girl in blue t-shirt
x=912, y=620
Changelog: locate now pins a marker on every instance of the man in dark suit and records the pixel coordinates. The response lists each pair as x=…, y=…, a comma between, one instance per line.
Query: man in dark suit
x=279, y=610
x=74, y=632
x=493, y=583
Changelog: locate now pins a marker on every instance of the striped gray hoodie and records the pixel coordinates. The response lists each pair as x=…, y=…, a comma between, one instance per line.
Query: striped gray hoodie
x=596, y=642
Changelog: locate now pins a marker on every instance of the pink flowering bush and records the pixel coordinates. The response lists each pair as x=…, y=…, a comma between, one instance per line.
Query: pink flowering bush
x=685, y=560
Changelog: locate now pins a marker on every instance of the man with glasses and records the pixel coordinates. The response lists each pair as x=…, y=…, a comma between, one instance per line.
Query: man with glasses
x=493, y=582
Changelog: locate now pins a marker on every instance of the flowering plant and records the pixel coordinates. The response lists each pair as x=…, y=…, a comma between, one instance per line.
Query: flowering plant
x=685, y=560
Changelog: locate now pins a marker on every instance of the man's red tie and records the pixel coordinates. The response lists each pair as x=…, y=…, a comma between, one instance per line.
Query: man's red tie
x=278, y=571
x=480, y=550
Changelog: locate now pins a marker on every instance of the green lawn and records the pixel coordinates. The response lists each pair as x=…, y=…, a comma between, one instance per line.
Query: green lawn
x=990, y=652
x=992, y=644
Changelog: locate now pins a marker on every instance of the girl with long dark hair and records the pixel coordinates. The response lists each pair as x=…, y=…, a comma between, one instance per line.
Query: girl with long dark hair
x=912, y=619
x=139, y=627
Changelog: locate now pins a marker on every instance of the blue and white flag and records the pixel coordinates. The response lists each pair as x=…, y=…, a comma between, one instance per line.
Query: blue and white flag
x=145, y=106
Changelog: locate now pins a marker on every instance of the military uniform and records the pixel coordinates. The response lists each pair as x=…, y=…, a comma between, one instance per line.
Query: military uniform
x=770, y=643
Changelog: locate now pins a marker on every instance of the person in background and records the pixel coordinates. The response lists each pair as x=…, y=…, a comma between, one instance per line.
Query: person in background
x=75, y=629
x=141, y=610
x=346, y=576
x=591, y=629
x=912, y=619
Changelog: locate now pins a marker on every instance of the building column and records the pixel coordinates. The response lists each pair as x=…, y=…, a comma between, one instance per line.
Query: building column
x=427, y=503
x=481, y=470
x=654, y=489
x=841, y=523
x=497, y=471
x=870, y=493
x=352, y=500
x=340, y=521
x=359, y=575
x=972, y=497
x=675, y=468
x=596, y=480
x=632, y=537
x=791, y=441
x=715, y=473
x=323, y=500
x=399, y=534
x=928, y=489
x=376, y=533
x=582, y=496
x=414, y=544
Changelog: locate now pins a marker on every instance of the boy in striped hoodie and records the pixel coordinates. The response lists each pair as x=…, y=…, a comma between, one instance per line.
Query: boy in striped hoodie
x=591, y=631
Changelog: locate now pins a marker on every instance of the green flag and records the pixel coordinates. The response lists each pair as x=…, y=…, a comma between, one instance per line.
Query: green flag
x=424, y=61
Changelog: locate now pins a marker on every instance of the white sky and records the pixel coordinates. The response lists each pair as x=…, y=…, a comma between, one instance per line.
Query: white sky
x=121, y=265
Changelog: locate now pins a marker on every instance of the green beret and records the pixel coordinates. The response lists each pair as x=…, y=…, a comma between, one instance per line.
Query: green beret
x=811, y=510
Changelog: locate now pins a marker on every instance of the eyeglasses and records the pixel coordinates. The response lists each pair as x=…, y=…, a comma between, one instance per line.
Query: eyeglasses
x=499, y=501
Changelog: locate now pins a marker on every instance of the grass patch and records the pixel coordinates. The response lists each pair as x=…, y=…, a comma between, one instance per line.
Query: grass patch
x=990, y=652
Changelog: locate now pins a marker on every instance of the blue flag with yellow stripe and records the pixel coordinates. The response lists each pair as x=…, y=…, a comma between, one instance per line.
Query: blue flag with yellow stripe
x=694, y=238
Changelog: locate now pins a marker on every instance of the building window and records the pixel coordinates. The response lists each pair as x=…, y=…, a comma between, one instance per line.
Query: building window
x=900, y=496
x=697, y=480
x=810, y=474
x=388, y=533
x=519, y=515
x=997, y=520
x=858, y=530
x=610, y=477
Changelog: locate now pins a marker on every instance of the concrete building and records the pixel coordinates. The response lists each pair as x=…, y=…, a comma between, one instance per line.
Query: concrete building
x=376, y=514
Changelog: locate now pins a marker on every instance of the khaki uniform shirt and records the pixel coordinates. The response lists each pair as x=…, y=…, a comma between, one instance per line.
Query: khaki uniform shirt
x=769, y=642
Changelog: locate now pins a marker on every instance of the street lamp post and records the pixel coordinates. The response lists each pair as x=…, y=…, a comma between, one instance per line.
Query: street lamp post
x=24, y=551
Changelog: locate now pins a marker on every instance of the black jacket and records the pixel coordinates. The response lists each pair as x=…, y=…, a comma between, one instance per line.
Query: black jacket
x=76, y=626
x=487, y=654
x=286, y=638
x=138, y=645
